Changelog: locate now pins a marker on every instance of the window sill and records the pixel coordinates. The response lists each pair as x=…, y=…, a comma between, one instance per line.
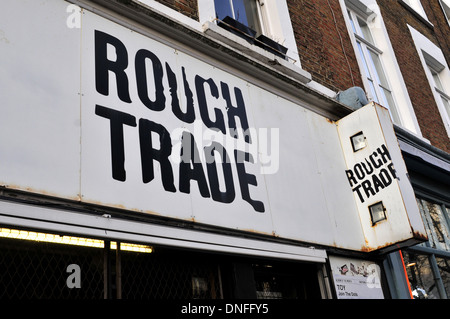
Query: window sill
x=416, y=14
x=213, y=44
x=238, y=43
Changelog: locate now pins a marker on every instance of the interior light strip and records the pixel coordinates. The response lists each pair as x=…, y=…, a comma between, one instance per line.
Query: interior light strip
x=69, y=240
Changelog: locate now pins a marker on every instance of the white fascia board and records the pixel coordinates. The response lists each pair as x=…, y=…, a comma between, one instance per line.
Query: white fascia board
x=83, y=224
x=428, y=158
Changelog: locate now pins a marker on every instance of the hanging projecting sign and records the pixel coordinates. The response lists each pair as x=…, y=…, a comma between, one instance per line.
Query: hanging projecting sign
x=377, y=176
x=121, y=117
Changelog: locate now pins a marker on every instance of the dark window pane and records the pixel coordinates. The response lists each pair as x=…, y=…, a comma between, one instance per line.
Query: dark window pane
x=223, y=9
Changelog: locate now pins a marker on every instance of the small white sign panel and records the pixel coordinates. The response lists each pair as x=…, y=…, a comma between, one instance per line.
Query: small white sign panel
x=356, y=279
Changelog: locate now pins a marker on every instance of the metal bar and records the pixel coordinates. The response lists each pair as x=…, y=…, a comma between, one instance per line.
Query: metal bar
x=437, y=277
x=106, y=271
x=429, y=251
x=90, y=225
x=118, y=272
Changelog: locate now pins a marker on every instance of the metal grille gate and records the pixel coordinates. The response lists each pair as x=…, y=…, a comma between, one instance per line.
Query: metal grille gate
x=31, y=269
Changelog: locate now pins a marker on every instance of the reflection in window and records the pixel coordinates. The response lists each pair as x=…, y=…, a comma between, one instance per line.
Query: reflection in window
x=246, y=12
x=287, y=281
x=436, y=224
x=420, y=276
x=444, y=270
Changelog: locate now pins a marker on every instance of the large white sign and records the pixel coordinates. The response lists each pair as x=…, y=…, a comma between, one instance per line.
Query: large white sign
x=100, y=113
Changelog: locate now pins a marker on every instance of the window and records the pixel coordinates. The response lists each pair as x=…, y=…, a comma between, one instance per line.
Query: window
x=379, y=89
x=436, y=219
x=270, y=20
x=439, y=88
x=437, y=72
x=245, y=18
x=444, y=268
x=428, y=264
x=445, y=5
x=382, y=78
x=247, y=12
x=417, y=6
x=420, y=276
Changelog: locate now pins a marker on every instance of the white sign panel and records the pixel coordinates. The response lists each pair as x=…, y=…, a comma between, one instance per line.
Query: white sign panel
x=147, y=108
x=356, y=279
x=104, y=114
x=39, y=98
x=377, y=175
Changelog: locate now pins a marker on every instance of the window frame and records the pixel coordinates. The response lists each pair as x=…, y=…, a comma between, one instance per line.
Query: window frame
x=431, y=224
x=432, y=56
x=439, y=89
x=373, y=76
x=261, y=27
x=277, y=25
x=426, y=249
x=370, y=11
x=416, y=5
x=445, y=6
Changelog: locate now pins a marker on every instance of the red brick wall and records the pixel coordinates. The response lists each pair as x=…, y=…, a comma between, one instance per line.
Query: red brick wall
x=441, y=26
x=396, y=17
x=186, y=7
x=319, y=43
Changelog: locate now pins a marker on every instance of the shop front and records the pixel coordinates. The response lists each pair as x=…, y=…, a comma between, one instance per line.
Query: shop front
x=144, y=162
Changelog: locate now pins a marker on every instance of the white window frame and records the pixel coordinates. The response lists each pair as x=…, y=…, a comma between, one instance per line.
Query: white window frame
x=369, y=11
x=260, y=13
x=436, y=74
x=416, y=5
x=274, y=16
x=376, y=78
x=432, y=56
x=445, y=5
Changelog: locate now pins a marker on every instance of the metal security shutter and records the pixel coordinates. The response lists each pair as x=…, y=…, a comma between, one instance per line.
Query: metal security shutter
x=106, y=227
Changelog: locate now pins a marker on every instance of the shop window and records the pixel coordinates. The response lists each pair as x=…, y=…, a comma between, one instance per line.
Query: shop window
x=286, y=281
x=442, y=95
x=436, y=220
x=443, y=265
x=420, y=276
x=370, y=56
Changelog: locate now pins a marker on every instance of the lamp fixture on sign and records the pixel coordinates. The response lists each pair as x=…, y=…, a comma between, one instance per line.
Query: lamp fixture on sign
x=358, y=141
x=377, y=212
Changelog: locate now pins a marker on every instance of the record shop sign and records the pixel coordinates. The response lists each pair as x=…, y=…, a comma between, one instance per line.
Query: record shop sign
x=367, y=178
x=190, y=164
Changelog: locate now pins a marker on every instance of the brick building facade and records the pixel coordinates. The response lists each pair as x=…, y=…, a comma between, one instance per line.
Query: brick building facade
x=326, y=52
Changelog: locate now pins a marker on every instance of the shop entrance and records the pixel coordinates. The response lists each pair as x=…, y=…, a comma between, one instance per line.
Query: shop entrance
x=36, y=265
